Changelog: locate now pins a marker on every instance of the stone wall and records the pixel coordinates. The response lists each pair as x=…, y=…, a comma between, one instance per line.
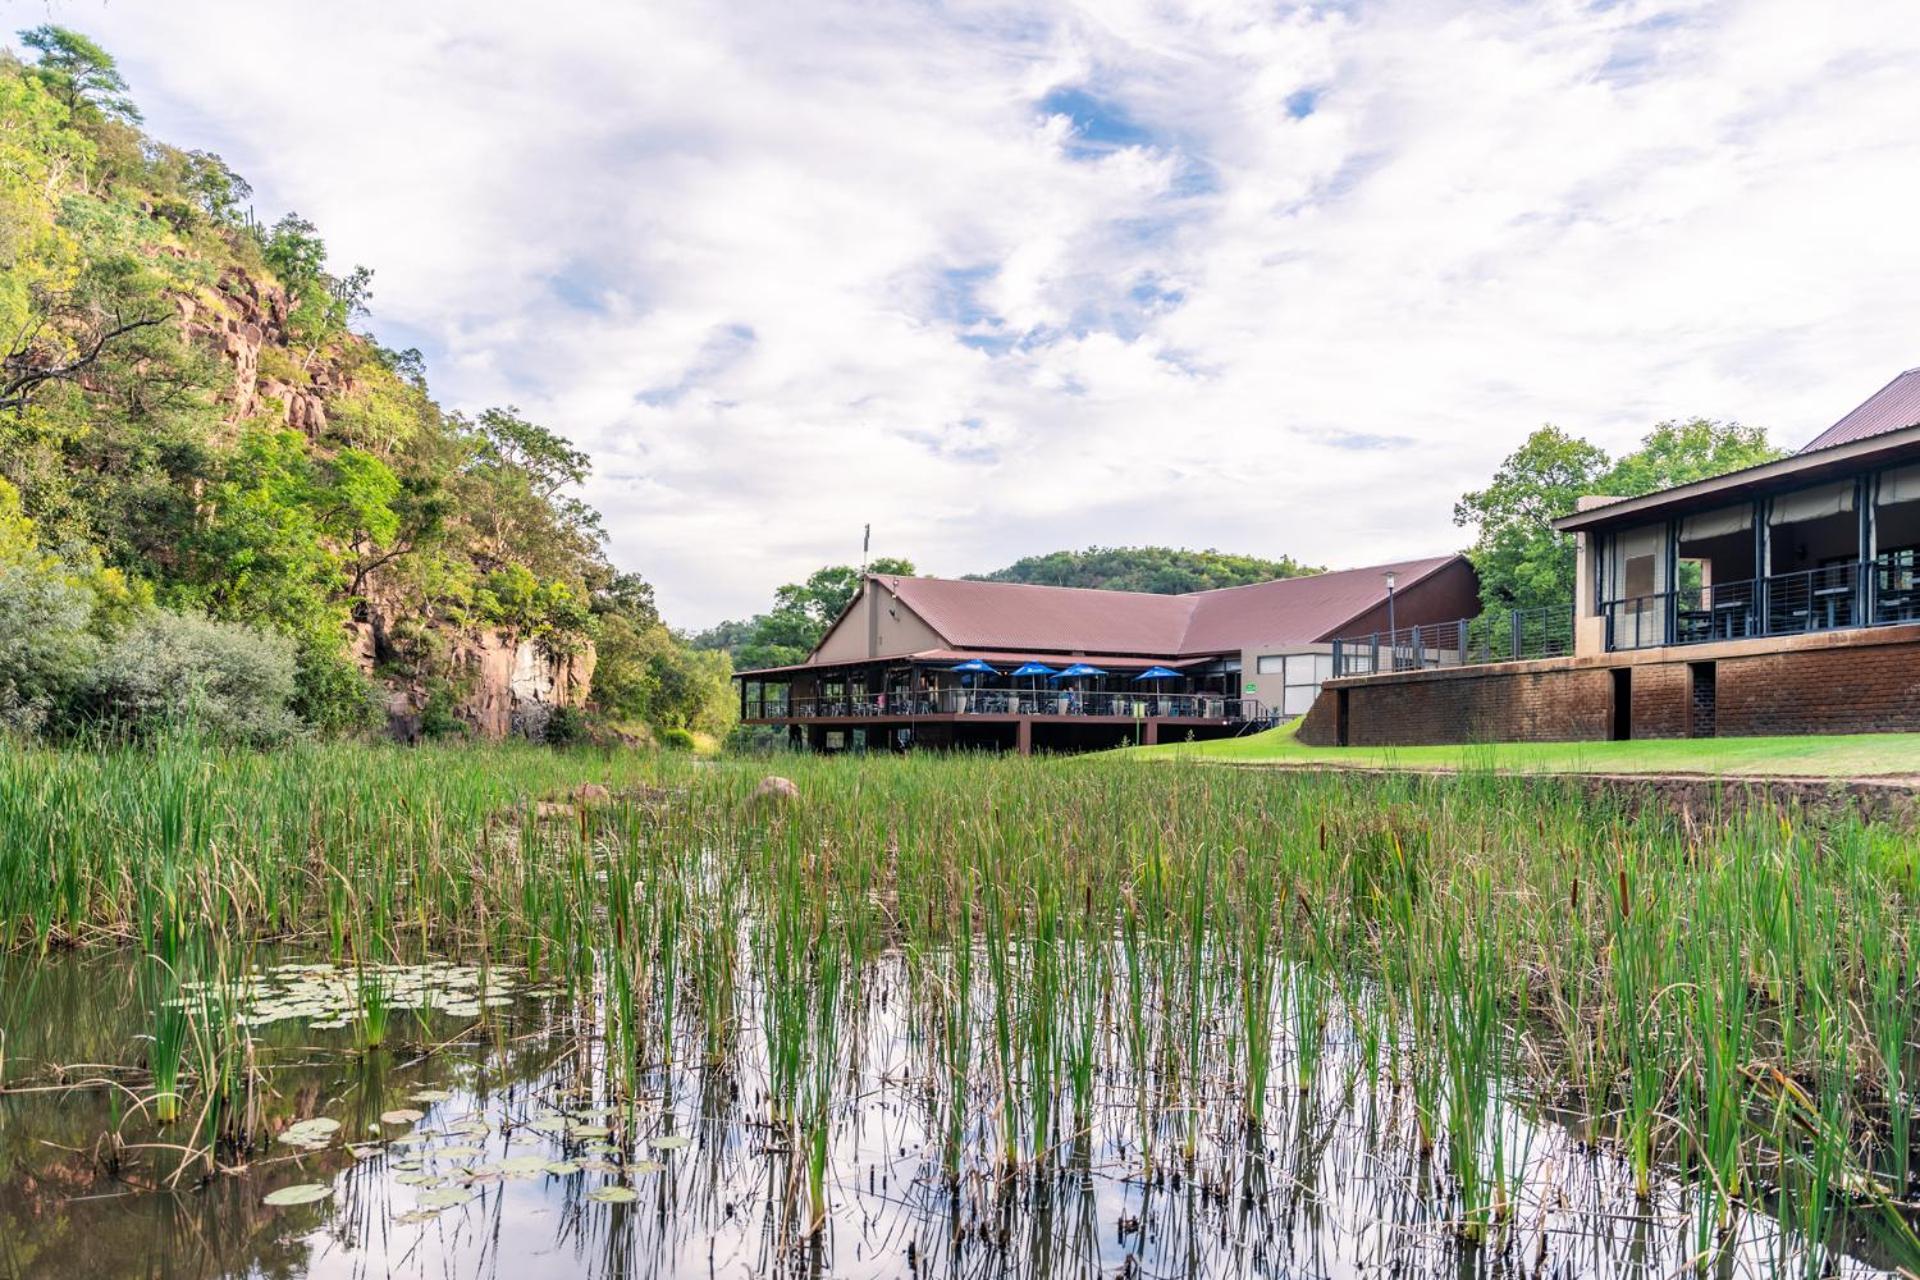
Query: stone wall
x=1864, y=681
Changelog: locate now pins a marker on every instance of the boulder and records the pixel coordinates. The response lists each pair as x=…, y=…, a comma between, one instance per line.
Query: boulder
x=591, y=793
x=774, y=789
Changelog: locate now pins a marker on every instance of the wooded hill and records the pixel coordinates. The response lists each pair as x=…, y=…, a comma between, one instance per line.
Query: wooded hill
x=219, y=499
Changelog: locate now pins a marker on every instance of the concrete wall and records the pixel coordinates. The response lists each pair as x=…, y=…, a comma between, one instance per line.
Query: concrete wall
x=1833, y=682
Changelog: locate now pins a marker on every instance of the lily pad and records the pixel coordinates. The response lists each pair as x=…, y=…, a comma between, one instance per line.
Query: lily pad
x=402, y=1115
x=299, y=1193
x=444, y=1197
x=523, y=1166
x=671, y=1142
x=613, y=1195
x=646, y=1166
x=430, y=1095
x=562, y=1168
x=459, y=1153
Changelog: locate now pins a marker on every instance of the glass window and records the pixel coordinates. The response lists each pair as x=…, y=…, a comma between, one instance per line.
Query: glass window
x=1270, y=664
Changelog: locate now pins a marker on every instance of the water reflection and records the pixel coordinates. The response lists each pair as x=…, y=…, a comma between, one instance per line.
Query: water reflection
x=520, y=1130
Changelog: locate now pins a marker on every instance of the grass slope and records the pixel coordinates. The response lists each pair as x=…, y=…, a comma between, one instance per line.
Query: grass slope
x=1840, y=756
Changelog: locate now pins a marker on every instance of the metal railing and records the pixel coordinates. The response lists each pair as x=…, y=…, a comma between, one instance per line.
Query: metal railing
x=1504, y=636
x=1865, y=593
x=1017, y=702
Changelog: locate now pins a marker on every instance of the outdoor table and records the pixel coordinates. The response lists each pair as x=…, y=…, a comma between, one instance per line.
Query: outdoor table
x=1726, y=614
x=1831, y=597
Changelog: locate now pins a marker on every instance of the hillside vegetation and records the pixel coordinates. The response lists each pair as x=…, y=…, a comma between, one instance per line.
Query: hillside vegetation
x=1167, y=571
x=218, y=499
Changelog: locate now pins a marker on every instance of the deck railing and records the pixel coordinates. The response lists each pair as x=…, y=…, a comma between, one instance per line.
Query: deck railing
x=1503, y=636
x=1019, y=702
x=1865, y=593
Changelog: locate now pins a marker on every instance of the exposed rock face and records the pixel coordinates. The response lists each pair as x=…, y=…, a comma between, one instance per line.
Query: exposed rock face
x=509, y=687
x=240, y=319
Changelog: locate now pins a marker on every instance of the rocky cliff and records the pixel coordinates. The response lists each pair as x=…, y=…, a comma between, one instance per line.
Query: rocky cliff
x=503, y=685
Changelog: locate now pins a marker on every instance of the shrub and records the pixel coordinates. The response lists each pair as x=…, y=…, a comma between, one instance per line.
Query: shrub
x=45, y=645
x=438, y=715
x=678, y=739
x=331, y=693
x=566, y=727
x=231, y=681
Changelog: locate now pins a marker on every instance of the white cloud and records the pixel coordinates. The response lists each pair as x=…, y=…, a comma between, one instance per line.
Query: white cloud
x=1291, y=281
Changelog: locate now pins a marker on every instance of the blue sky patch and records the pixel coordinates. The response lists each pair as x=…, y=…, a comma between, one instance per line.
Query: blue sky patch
x=1100, y=125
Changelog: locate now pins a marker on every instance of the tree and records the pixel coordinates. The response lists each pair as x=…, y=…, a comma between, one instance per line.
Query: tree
x=1160, y=570
x=1522, y=562
x=80, y=73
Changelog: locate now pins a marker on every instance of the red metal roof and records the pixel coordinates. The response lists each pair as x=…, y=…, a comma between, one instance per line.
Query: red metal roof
x=1021, y=617
x=1891, y=408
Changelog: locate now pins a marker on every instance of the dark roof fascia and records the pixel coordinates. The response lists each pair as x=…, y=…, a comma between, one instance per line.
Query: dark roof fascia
x=1448, y=563
x=1801, y=468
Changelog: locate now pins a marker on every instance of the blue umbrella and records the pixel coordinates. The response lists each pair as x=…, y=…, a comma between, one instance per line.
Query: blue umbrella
x=973, y=666
x=1158, y=673
x=1033, y=669
x=1077, y=669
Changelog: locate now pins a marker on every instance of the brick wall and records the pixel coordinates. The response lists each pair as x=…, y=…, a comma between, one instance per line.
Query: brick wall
x=1838, y=682
x=1832, y=691
x=1469, y=706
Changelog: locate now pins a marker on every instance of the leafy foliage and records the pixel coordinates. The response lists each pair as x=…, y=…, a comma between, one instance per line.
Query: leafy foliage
x=1159, y=570
x=1523, y=563
x=801, y=614
x=140, y=471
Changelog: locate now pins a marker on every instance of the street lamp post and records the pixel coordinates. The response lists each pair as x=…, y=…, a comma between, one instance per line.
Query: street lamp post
x=1393, y=636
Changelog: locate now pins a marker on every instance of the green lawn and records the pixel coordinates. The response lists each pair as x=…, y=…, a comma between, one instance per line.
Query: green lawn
x=1844, y=756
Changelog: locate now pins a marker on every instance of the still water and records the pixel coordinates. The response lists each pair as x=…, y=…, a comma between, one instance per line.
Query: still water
x=483, y=1141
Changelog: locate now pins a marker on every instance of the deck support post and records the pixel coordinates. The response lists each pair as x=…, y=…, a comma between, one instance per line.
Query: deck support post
x=1152, y=737
x=1023, y=735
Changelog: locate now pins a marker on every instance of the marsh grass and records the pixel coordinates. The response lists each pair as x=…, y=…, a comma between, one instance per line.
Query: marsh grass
x=1729, y=992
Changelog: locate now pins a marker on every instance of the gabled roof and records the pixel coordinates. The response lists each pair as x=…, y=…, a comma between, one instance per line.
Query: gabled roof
x=1026, y=618
x=1891, y=408
x=1297, y=610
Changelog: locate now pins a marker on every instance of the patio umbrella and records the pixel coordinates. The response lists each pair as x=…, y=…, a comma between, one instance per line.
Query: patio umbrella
x=1035, y=670
x=975, y=667
x=1076, y=670
x=1158, y=673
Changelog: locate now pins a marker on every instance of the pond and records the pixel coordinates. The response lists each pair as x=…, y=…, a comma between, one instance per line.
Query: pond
x=487, y=1136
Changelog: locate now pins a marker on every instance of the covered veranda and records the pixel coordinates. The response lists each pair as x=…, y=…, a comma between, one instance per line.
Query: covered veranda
x=1005, y=700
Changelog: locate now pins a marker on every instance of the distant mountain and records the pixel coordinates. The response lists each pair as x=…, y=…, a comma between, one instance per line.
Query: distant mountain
x=1167, y=571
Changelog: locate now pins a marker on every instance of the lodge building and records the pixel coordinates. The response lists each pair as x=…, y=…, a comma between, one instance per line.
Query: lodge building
x=1780, y=599
x=934, y=662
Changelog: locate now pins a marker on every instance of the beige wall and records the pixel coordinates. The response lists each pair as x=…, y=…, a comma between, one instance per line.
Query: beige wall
x=877, y=626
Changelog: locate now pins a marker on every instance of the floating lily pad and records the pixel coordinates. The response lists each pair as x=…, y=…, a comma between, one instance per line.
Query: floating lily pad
x=646, y=1166
x=444, y=1197
x=299, y=1193
x=588, y=1130
x=417, y=1179
x=613, y=1195
x=402, y=1115
x=671, y=1142
x=523, y=1166
x=430, y=1095
x=459, y=1153
x=562, y=1168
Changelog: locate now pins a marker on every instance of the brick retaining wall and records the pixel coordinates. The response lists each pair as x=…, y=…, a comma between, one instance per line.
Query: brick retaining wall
x=1834, y=682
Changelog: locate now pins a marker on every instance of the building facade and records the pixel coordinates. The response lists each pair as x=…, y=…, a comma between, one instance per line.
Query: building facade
x=933, y=662
x=1781, y=599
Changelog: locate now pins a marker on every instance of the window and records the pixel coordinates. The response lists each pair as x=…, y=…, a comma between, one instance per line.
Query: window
x=1301, y=675
x=1271, y=664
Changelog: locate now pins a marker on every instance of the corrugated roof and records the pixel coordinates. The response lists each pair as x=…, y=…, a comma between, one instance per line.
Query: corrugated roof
x=1017, y=615
x=1891, y=408
x=1296, y=610
x=1014, y=616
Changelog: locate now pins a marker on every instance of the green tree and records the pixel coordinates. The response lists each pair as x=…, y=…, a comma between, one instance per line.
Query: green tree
x=801, y=614
x=80, y=73
x=1159, y=570
x=1522, y=562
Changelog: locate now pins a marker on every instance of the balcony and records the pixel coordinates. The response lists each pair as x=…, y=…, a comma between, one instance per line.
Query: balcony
x=1855, y=594
x=1011, y=703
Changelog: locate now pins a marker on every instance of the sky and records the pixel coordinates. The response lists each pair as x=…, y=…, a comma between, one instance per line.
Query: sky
x=1001, y=279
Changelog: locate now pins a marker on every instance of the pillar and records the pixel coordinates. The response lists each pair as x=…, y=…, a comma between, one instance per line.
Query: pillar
x=1023, y=735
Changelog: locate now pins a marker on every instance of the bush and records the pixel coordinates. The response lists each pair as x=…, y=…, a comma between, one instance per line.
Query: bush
x=678, y=739
x=331, y=693
x=566, y=727
x=230, y=681
x=45, y=646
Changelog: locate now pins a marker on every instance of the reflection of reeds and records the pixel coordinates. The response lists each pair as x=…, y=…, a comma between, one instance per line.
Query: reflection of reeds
x=1098, y=952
